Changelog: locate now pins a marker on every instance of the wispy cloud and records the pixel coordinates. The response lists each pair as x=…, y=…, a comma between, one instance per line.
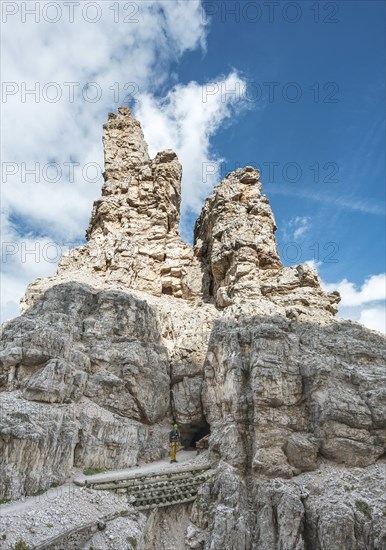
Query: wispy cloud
x=367, y=206
x=296, y=228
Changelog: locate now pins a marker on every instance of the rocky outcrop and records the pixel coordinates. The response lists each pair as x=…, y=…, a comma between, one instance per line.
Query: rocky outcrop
x=37, y=445
x=234, y=235
x=137, y=329
x=133, y=236
x=98, y=356
x=333, y=509
x=79, y=338
x=235, y=239
x=280, y=396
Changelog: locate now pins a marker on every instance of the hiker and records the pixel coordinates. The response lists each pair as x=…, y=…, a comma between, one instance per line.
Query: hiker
x=174, y=439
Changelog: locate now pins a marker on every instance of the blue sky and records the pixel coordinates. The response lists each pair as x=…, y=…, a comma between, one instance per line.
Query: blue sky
x=296, y=89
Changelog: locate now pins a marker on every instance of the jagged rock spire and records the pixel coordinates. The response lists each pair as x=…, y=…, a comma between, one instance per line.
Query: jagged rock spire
x=124, y=144
x=235, y=240
x=133, y=234
x=140, y=196
x=235, y=235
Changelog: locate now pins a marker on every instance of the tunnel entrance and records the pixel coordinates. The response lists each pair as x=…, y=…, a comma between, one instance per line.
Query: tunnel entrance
x=191, y=433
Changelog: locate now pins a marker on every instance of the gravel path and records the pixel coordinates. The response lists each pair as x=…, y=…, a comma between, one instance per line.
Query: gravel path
x=184, y=458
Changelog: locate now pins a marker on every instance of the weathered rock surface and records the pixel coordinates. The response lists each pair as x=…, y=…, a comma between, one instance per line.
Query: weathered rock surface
x=137, y=328
x=80, y=342
x=234, y=237
x=99, y=355
x=332, y=509
x=133, y=235
x=37, y=445
x=278, y=394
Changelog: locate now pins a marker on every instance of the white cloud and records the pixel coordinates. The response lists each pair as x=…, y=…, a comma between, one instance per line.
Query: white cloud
x=374, y=318
x=365, y=304
x=296, y=228
x=23, y=260
x=373, y=289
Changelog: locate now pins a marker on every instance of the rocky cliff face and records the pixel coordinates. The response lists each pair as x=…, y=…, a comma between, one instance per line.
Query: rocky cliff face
x=137, y=328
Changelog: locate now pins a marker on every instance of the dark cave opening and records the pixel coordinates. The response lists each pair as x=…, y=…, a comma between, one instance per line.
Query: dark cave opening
x=167, y=290
x=191, y=433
